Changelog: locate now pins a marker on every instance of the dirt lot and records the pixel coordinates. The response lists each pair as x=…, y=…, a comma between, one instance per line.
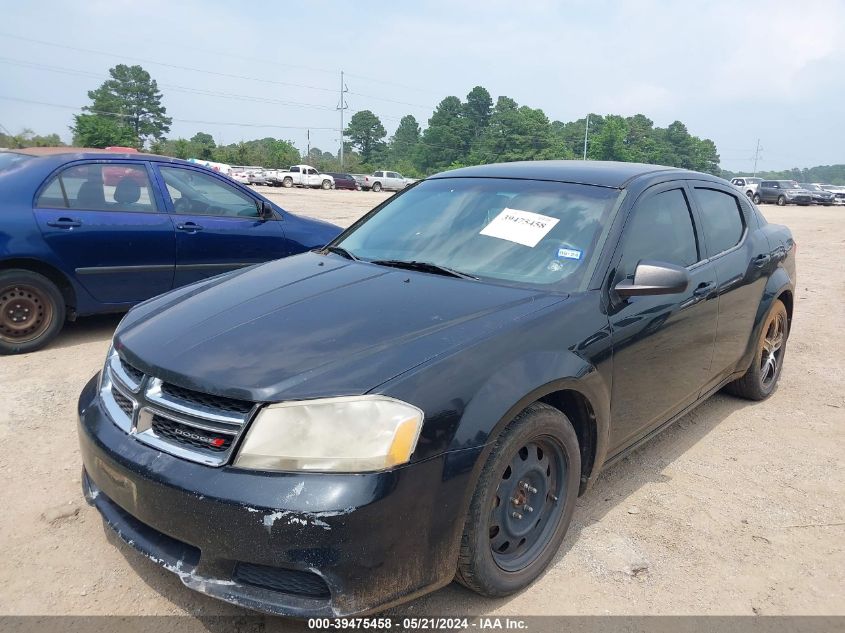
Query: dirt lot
x=737, y=509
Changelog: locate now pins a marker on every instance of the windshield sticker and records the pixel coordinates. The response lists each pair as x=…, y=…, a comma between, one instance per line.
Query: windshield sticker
x=569, y=253
x=522, y=227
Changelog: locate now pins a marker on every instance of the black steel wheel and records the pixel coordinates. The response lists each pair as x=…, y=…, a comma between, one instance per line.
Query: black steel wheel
x=32, y=311
x=522, y=504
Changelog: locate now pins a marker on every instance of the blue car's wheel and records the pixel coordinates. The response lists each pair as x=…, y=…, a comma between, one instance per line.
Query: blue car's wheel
x=522, y=504
x=32, y=311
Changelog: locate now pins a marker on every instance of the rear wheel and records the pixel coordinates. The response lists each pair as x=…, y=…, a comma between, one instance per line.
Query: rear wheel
x=287, y=183
x=376, y=187
x=781, y=201
x=522, y=505
x=32, y=311
x=760, y=380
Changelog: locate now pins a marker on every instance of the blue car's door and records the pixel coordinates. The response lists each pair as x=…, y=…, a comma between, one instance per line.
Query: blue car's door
x=105, y=222
x=218, y=224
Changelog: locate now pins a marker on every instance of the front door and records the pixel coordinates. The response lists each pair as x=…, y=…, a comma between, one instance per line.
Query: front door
x=105, y=221
x=663, y=344
x=218, y=225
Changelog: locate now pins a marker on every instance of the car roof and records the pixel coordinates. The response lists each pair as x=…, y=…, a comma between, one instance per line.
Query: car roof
x=81, y=153
x=591, y=172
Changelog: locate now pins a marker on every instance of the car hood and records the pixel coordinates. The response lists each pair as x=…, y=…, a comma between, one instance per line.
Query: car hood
x=313, y=326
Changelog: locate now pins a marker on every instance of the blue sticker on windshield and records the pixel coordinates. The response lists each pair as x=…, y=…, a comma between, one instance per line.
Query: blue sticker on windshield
x=569, y=253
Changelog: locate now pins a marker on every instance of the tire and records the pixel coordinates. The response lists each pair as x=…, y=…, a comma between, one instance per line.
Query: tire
x=32, y=311
x=376, y=187
x=749, y=193
x=761, y=379
x=327, y=184
x=756, y=198
x=781, y=201
x=287, y=183
x=500, y=554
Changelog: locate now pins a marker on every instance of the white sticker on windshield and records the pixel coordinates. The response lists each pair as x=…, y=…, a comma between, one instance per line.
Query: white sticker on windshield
x=522, y=227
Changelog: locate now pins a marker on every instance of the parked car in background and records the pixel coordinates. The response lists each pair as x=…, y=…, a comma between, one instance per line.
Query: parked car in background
x=748, y=184
x=344, y=181
x=387, y=180
x=73, y=245
x=361, y=179
x=819, y=195
x=302, y=176
x=260, y=178
x=426, y=398
x=782, y=192
x=240, y=176
x=838, y=192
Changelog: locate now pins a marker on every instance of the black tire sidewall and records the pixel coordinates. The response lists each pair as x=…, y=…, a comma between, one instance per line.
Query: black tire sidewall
x=781, y=201
x=51, y=293
x=778, y=306
x=536, y=421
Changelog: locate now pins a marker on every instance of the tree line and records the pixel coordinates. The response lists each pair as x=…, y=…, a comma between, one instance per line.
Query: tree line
x=127, y=110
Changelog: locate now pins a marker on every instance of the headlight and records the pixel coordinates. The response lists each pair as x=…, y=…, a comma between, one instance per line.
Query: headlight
x=349, y=434
x=105, y=368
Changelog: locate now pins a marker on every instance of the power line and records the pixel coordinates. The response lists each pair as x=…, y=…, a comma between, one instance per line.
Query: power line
x=200, y=70
x=116, y=114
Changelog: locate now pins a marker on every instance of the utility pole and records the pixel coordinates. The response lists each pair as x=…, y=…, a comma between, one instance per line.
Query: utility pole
x=757, y=156
x=586, y=132
x=308, y=145
x=342, y=105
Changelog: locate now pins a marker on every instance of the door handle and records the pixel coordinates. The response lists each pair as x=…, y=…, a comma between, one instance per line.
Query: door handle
x=64, y=223
x=761, y=260
x=191, y=227
x=705, y=289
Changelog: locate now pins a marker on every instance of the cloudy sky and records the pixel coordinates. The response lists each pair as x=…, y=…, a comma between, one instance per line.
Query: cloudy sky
x=733, y=71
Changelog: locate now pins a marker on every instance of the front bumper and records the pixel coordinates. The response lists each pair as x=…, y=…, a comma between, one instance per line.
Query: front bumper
x=297, y=544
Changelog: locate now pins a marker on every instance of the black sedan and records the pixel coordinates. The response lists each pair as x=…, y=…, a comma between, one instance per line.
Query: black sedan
x=819, y=195
x=345, y=181
x=425, y=398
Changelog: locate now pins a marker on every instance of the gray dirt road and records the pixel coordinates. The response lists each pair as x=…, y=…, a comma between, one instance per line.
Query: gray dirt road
x=737, y=509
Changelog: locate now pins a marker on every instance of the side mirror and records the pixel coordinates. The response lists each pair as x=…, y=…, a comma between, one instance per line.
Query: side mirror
x=265, y=211
x=654, y=278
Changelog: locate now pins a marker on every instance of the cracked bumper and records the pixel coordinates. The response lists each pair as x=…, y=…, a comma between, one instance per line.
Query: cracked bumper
x=370, y=540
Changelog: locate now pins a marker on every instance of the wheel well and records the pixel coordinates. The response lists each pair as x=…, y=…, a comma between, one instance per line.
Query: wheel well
x=786, y=298
x=51, y=273
x=580, y=412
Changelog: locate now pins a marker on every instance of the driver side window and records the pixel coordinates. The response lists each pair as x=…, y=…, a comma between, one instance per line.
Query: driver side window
x=660, y=228
x=195, y=193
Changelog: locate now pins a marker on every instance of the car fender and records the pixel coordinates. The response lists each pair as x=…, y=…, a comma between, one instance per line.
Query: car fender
x=522, y=382
x=777, y=284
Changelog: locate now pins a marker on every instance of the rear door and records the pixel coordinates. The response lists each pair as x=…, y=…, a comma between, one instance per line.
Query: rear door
x=218, y=226
x=741, y=259
x=107, y=222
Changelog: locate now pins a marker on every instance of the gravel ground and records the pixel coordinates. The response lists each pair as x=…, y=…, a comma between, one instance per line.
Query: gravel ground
x=736, y=509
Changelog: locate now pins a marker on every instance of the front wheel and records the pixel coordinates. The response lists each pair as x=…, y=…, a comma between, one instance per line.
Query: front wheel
x=781, y=201
x=759, y=382
x=522, y=504
x=756, y=198
x=327, y=184
x=376, y=187
x=32, y=311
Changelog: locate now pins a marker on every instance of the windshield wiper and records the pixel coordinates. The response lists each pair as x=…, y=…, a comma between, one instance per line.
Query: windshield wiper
x=338, y=250
x=425, y=267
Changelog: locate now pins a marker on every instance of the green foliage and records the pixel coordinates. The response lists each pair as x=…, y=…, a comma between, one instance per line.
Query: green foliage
x=405, y=142
x=28, y=138
x=366, y=133
x=127, y=106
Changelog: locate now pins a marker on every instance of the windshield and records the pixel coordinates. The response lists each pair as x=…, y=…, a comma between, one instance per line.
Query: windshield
x=811, y=187
x=522, y=231
x=12, y=160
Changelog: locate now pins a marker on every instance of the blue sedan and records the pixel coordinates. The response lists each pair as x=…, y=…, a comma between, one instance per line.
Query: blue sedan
x=90, y=231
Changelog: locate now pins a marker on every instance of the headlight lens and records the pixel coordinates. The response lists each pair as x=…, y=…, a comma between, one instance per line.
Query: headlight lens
x=349, y=434
x=105, y=367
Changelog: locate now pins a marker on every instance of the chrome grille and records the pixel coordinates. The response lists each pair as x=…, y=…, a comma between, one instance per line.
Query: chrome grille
x=192, y=425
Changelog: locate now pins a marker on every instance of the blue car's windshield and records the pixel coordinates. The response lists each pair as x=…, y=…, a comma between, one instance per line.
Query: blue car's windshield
x=11, y=160
x=523, y=231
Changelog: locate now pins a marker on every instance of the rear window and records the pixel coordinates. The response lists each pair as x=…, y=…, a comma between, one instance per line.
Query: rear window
x=12, y=160
x=722, y=219
x=100, y=187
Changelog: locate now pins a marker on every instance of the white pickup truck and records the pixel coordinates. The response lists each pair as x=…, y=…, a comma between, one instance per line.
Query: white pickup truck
x=387, y=180
x=301, y=176
x=747, y=184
